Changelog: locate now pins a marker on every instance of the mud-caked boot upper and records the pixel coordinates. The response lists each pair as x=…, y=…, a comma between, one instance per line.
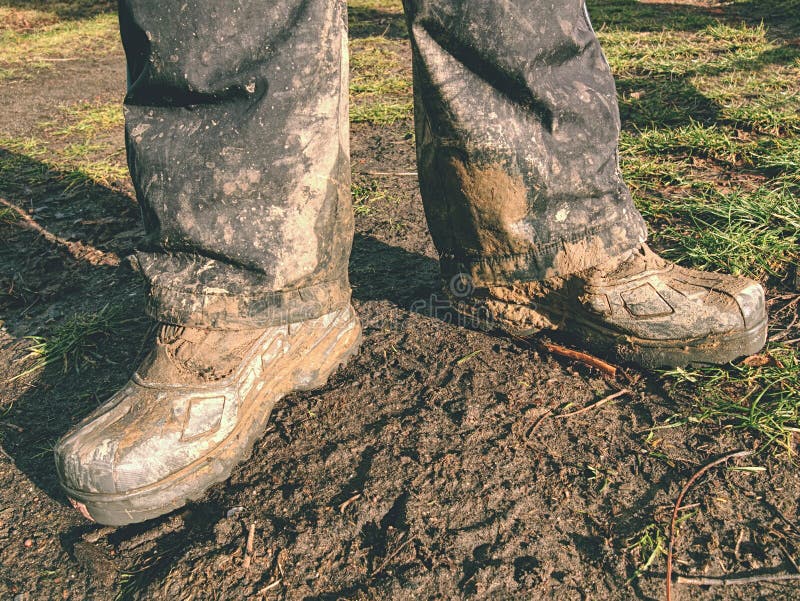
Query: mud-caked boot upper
x=658, y=313
x=638, y=306
x=191, y=412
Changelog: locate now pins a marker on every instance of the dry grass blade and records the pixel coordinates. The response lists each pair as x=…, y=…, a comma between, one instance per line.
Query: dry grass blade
x=594, y=405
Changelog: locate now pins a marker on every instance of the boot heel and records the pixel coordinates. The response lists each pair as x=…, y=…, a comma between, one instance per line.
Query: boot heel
x=344, y=340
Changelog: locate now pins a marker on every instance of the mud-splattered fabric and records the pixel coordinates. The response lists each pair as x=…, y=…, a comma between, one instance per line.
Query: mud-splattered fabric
x=236, y=129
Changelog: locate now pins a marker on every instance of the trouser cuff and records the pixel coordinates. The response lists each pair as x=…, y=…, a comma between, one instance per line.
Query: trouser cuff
x=561, y=258
x=208, y=294
x=257, y=309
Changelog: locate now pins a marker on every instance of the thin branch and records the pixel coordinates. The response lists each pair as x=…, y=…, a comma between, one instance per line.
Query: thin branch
x=392, y=173
x=538, y=422
x=248, y=549
x=677, y=508
x=594, y=405
x=391, y=556
x=78, y=250
x=736, y=580
x=585, y=358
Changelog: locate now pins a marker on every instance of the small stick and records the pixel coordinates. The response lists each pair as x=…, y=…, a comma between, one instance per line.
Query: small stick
x=397, y=173
x=349, y=502
x=586, y=359
x=248, y=550
x=78, y=250
x=677, y=508
x=391, y=556
x=538, y=421
x=594, y=405
x=735, y=580
x=789, y=556
x=270, y=586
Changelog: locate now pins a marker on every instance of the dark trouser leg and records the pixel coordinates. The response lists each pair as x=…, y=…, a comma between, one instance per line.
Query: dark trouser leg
x=517, y=127
x=237, y=137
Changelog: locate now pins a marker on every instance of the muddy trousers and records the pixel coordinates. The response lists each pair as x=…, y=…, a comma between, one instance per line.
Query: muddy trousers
x=237, y=138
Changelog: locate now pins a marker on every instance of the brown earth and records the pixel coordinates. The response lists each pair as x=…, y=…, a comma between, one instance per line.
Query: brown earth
x=424, y=469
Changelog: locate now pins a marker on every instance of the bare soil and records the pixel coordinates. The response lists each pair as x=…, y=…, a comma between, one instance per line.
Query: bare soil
x=424, y=469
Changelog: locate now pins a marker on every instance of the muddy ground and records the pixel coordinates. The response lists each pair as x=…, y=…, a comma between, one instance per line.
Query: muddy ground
x=422, y=470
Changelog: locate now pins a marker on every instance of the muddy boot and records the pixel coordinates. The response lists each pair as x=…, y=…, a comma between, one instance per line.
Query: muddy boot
x=640, y=307
x=192, y=412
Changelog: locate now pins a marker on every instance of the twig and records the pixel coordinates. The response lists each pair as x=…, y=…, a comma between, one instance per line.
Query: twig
x=590, y=360
x=788, y=328
x=349, y=502
x=270, y=586
x=78, y=250
x=397, y=173
x=248, y=550
x=53, y=59
x=777, y=511
x=391, y=556
x=735, y=580
x=789, y=556
x=677, y=508
x=538, y=421
x=594, y=405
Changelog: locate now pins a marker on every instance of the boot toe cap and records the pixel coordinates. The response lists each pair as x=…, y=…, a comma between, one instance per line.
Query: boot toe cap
x=752, y=304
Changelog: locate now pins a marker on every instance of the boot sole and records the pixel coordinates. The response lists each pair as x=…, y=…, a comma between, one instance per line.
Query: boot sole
x=191, y=483
x=715, y=349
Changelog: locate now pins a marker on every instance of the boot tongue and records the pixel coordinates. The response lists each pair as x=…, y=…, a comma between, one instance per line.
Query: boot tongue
x=195, y=356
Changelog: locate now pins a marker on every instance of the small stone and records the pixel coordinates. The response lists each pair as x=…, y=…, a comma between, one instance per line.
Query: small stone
x=28, y=542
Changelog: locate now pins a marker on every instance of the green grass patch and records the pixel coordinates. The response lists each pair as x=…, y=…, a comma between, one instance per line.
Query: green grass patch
x=382, y=113
x=77, y=163
x=83, y=144
x=62, y=9
x=736, y=210
x=760, y=395
x=365, y=194
x=382, y=18
x=22, y=54
x=380, y=81
x=753, y=233
x=649, y=544
x=738, y=75
x=636, y=16
x=87, y=120
x=73, y=342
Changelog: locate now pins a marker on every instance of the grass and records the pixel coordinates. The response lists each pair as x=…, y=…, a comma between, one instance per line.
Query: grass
x=72, y=342
x=366, y=193
x=744, y=231
x=82, y=142
x=710, y=145
x=23, y=54
x=376, y=18
x=650, y=544
x=87, y=120
x=711, y=148
x=380, y=74
x=760, y=395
